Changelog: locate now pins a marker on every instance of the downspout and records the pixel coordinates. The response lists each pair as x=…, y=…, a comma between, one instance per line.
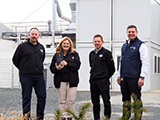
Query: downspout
x=111, y=24
x=111, y=30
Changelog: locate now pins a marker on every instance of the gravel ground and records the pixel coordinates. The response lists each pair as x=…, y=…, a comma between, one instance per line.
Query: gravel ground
x=11, y=100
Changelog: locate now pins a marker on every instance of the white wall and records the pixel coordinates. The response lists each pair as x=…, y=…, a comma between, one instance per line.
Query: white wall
x=154, y=77
x=155, y=22
x=93, y=16
x=127, y=12
x=7, y=44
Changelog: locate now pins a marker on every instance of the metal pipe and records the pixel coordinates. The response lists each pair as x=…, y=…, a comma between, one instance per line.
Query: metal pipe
x=111, y=24
x=157, y=2
x=49, y=25
x=110, y=35
x=111, y=29
x=12, y=76
x=53, y=21
x=61, y=15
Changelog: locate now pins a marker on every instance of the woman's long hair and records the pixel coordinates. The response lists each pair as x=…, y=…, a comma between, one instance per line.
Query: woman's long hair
x=59, y=48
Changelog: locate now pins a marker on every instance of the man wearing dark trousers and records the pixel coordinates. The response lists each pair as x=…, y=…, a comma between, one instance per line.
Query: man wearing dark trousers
x=28, y=58
x=102, y=68
x=133, y=66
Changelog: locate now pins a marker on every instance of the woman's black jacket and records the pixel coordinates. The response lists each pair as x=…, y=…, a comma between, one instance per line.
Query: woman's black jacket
x=73, y=65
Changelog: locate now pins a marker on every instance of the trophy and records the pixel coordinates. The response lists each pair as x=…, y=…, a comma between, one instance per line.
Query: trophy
x=59, y=58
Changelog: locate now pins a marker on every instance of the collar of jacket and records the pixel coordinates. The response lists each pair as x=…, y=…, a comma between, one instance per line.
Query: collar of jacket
x=98, y=49
x=131, y=41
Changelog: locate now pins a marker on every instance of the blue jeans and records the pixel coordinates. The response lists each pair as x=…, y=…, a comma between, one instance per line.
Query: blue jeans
x=27, y=84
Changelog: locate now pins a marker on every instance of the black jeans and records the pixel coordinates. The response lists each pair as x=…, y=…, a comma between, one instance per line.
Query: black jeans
x=100, y=87
x=129, y=86
x=39, y=86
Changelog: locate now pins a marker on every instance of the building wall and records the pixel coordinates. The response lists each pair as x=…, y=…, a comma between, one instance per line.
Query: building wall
x=154, y=47
x=154, y=66
x=155, y=22
x=93, y=15
x=99, y=16
x=89, y=22
x=7, y=44
x=126, y=12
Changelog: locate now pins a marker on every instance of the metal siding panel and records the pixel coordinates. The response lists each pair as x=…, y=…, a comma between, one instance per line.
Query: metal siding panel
x=128, y=12
x=93, y=18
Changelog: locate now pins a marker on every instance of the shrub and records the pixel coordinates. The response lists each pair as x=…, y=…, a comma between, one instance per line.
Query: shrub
x=136, y=109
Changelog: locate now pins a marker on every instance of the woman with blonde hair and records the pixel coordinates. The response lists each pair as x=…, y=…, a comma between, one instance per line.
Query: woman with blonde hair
x=65, y=65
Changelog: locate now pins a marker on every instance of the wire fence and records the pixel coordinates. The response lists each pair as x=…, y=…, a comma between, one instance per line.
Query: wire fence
x=9, y=75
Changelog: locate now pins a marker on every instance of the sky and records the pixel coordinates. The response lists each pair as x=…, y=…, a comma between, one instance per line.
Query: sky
x=30, y=10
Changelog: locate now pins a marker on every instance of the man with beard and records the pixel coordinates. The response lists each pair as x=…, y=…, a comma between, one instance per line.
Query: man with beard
x=28, y=58
x=133, y=67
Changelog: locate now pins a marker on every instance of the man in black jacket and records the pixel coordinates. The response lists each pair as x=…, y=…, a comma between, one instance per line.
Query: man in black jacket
x=102, y=68
x=28, y=58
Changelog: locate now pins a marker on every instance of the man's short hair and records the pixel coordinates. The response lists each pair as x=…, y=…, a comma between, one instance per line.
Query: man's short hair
x=132, y=26
x=33, y=28
x=98, y=35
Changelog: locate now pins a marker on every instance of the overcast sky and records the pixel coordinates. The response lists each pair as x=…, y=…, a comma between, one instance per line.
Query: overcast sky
x=30, y=10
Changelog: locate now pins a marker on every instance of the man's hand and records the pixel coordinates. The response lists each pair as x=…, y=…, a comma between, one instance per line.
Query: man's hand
x=119, y=80
x=140, y=82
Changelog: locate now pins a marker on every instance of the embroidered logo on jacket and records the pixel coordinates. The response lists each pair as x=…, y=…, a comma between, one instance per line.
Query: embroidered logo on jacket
x=41, y=50
x=101, y=55
x=133, y=47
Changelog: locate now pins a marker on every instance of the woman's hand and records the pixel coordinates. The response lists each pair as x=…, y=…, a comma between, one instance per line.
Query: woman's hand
x=64, y=63
x=59, y=67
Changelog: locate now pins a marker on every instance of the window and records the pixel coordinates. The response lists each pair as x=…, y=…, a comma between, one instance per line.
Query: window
x=118, y=60
x=156, y=64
